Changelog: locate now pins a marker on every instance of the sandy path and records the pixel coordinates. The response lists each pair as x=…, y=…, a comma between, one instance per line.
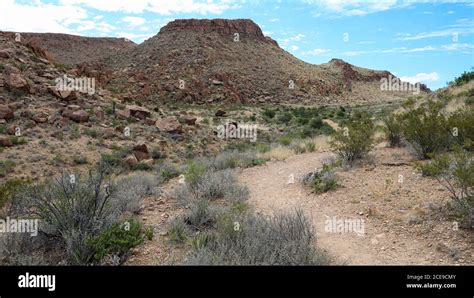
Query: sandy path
x=388, y=239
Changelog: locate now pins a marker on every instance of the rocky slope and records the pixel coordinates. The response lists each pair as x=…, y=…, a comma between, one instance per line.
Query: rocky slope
x=232, y=61
x=72, y=49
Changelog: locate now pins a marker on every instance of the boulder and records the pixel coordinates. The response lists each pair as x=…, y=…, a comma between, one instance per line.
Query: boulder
x=170, y=125
x=5, y=54
x=189, y=120
x=141, y=152
x=79, y=116
x=6, y=112
x=40, y=117
x=131, y=161
x=63, y=94
x=16, y=81
x=139, y=112
x=220, y=113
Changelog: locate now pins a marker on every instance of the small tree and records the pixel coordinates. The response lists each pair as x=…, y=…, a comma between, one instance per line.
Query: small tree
x=354, y=141
x=393, y=130
x=455, y=172
x=427, y=130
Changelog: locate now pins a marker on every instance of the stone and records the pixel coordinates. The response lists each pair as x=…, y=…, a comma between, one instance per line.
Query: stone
x=220, y=113
x=6, y=112
x=141, y=152
x=131, y=160
x=40, y=117
x=170, y=125
x=139, y=112
x=79, y=116
x=6, y=142
x=16, y=81
x=189, y=120
x=5, y=54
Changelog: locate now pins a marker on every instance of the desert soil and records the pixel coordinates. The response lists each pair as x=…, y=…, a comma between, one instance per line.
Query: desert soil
x=404, y=214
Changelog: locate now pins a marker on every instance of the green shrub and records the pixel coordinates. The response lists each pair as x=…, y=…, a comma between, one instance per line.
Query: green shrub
x=464, y=78
x=393, y=130
x=427, y=130
x=6, y=167
x=316, y=123
x=270, y=114
x=247, y=239
x=310, y=147
x=79, y=160
x=286, y=140
x=166, y=171
x=354, y=141
x=10, y=188
x=455, y=171
x=323, y=180
x=177, y=231
x=117, y=240
x=461, y=125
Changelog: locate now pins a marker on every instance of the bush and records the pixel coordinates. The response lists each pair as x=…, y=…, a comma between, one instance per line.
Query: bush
x=166, y=171
x=269, y=114
x=354, y=141
x=128, y=192
x=246, y=239
x=427, y=130
x=461, y=125
x=117, y=240
x=6, y=166
x=456, y=173
x=323, y=180
x=212, y=185
x=177, y=231
x=316, y=123
x=71, y=212
x=9, y=189
x=201, y=215
x=393, y=130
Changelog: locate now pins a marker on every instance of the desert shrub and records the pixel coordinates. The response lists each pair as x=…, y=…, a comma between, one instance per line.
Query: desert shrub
x=270, y=114
x=285, y=118
x=156, y=153
x=6, y=167
x=316, y=123
x=299, y=148
x=393, y=130
x=166, y=171
x=231, y=159
x=117, y=240
x=263, y=148
x=10, y=188
x=194, y=174
x=285, y=140
x=20, y=249
x=128, y=192
x=201, y=215
x=356, y=139
x=323, y=180
x=286, y=239
x=461, y=125
x=455, y=171
x=427, y=130
x=72, y=211
x=177, y=231
x=212, y=185
x=79, y=160
x=310, y=146
x=463, y=78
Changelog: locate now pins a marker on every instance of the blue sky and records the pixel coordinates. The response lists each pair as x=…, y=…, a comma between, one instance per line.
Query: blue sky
x=418, y=40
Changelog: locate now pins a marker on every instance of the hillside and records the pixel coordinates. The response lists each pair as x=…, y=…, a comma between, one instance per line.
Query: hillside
x=72, y=49
x=209, y=61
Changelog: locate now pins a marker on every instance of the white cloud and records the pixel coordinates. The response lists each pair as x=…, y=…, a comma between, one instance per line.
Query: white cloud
x=39, y=17
x=316, y=52
x=134, y=21
x=363, y=7
x=295, y=48
x=298, y=37
x=421, y=77
x=164, y=7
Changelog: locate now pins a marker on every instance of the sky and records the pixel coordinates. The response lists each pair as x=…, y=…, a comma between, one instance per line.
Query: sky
x=418, y=40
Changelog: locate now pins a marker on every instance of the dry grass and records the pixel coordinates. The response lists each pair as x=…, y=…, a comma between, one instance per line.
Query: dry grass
x=277, y=153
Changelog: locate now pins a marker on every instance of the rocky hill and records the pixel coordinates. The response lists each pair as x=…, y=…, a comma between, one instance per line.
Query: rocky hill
x=209, y=61
x=72, y=49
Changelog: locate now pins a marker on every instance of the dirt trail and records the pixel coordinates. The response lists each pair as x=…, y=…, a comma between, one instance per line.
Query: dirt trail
x=399, y=228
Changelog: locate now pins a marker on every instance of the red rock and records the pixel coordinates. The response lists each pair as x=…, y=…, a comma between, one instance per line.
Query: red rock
x=16, y=81
x=5, y=54
x=6, y=142
x=220, y=113
x=189, y=120
x=170, y=125
x=79, y=116
x=131, y=160
x=40, y=117
x=6, y=112
x=139, y=112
